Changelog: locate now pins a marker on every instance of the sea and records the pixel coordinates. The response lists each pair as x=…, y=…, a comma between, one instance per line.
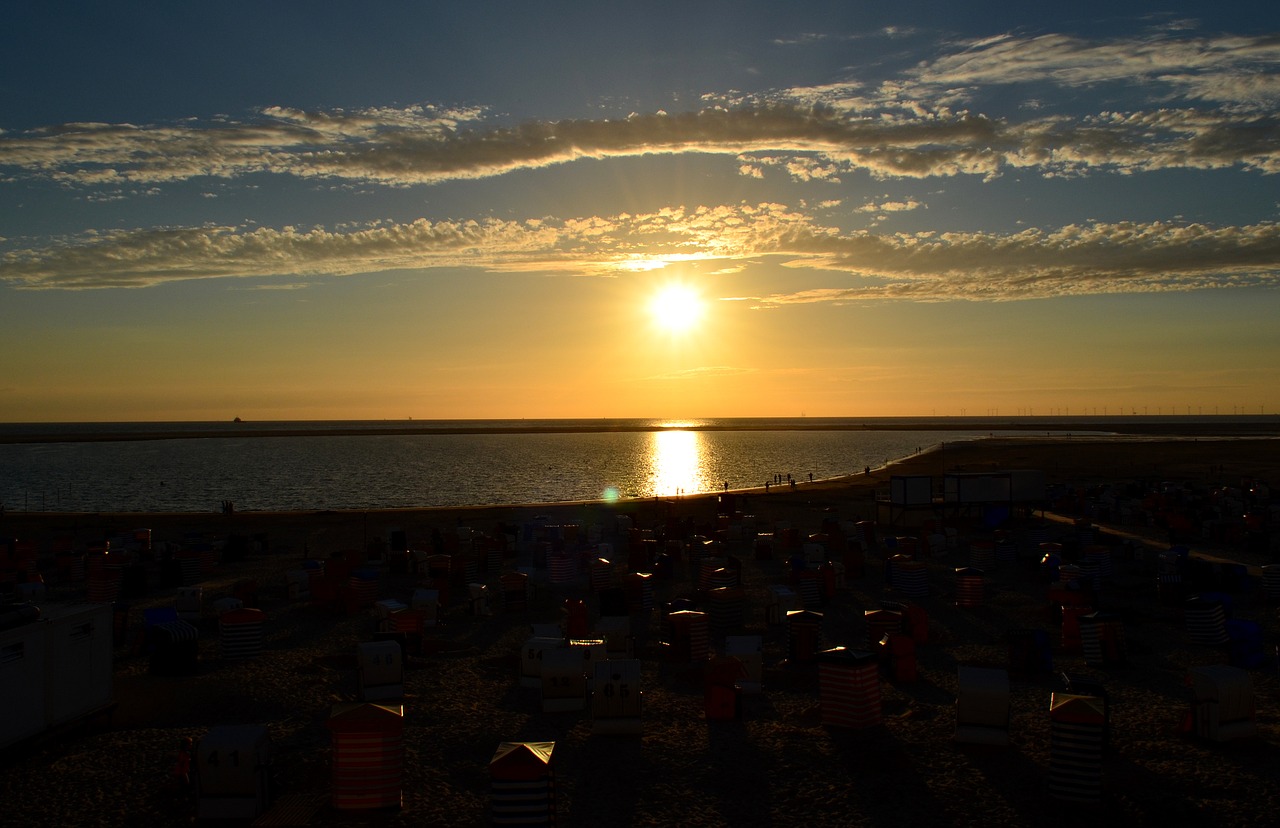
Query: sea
x=401, y=464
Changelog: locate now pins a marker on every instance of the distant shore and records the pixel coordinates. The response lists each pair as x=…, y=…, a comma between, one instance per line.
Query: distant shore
x=1263, y=426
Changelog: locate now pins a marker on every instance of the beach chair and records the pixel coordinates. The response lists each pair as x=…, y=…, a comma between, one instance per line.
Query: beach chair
x=749, y=649
x=616, y=698
x=381, y=665
x=1222, y=703
x=1076, y=739
x=849, y=688
x=564, y=680
x=522, y=784
x=233, y=767
x=367, y=756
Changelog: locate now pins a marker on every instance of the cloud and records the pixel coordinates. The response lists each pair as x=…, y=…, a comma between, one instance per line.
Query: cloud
x=281, y=286
x=141, y=258
x=799, y=168
x=1212, y=100
x=587, y=245
x=890, y=206
x=1077, y=260
x=907, y=128
x=802, y=39
x=705, y=372
x=1227, y=69
x=1096, y=258
x=401, y=151
x=280, y=140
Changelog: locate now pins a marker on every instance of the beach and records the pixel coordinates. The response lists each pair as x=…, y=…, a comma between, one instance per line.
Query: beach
x=775, y=764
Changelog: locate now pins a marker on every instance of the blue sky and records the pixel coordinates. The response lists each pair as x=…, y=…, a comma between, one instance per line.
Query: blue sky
x=331, y=210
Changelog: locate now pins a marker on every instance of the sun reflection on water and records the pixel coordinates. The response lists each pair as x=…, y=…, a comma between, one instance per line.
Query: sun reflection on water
x=676, y=463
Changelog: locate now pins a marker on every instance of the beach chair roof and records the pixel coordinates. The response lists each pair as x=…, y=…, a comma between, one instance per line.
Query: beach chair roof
x=521, y=760
x=363, y=717
x=1066, y=707
x=843, y=655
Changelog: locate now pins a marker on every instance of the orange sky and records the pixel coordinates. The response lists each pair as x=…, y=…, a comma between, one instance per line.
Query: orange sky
x=981, y=210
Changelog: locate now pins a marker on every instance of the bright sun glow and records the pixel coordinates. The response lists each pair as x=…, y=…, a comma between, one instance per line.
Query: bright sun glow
x=676, y=308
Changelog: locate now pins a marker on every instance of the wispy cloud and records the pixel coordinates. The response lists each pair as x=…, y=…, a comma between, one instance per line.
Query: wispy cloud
x=703, y=373
x=141, y=258
x=914, y=124
x=890, y=206
x=1124, y=257
x=1213, y=104
x=810, y=144
x=802, y=39
x=1227, y=69
x=279, y=140
x=280, y=286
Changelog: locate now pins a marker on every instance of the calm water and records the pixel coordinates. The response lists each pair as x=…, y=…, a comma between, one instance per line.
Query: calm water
x=398, y=471
x=501, y=462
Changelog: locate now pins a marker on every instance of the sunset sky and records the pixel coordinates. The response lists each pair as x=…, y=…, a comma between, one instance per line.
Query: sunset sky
x=428, y=210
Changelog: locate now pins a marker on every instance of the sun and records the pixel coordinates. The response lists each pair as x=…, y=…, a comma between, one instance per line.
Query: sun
x=676, y=308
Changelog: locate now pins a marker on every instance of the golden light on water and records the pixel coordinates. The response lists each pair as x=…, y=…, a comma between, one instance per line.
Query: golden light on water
x=676, y=458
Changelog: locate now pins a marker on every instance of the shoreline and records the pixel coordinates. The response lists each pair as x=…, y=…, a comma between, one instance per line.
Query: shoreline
x=1074, y=462
x=924, y=462
x=157, y=500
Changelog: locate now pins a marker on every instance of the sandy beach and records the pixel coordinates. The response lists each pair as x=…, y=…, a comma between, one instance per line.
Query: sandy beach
x=777, y=764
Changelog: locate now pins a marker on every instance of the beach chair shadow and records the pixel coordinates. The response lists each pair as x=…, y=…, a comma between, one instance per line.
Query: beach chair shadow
x=738, y=775
x=886, y=780
x=608, y=772
x=1020, y=782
